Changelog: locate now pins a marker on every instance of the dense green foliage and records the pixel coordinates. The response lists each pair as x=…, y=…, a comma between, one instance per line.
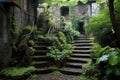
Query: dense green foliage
x=105, y=60
x=60, y=48
x=98, y=50
x=61, y=42
x=67, y=2
x=23, y=46
x=58, y=54
x=60, y=2
x=101, y=27
x=104, y=65
x=110, y=63
x=88, y=71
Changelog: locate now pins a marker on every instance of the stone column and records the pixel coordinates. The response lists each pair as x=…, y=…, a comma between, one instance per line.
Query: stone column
x=5, y=49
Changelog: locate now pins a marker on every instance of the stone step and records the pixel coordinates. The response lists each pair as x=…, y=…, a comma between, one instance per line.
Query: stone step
x=74, y=65
x=82, y=41
x=39, y=64
x=40, y=52
x=82, y=47
x=43, y=70
x=83, y=44
x=40, y=58
x=81, y=55
x=78, y=60
x=71, y=71
x=82, y=36
x=82, y=51
x=41, y=47
x=41, y=43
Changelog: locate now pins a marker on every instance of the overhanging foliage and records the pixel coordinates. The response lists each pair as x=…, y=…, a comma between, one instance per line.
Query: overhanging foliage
x=67, y=2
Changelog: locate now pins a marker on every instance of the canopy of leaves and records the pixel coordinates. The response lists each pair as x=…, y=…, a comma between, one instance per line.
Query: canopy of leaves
x=67, y=2
x=100, y=1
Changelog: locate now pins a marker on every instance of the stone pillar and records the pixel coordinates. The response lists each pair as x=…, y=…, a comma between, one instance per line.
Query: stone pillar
x=5, y=49
x=56, y=15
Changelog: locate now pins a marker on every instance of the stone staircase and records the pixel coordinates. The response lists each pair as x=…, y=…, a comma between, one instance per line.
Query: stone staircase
x=39, y=59
x=81, y=54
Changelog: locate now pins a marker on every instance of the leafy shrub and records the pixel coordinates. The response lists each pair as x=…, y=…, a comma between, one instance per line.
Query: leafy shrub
x=30, y=28
x=70, y=32
x=88, y=71
x=60, y=48
x=98, y=50
x=62, y=37
x=55, y=53
x=112, y=63
x=23, y=47
x=107, y=62
x=59, y=54
x=105, y=67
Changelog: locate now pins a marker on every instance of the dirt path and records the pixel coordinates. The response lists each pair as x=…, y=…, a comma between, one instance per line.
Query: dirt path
x=55, y=77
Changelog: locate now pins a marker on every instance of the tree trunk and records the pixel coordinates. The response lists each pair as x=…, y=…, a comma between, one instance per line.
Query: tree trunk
x=116, y=26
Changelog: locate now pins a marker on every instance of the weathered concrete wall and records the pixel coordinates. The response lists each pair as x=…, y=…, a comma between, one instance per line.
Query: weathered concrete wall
x=5, y=49
x=82, y=9
x=22, y=18
x=28, y=12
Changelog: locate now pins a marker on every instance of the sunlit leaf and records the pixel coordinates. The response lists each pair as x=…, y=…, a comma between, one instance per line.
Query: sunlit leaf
x=72, y=2
x=101, y=1
x=113, y=60
x=98, y=61
x=84, y=1
x=104, y=58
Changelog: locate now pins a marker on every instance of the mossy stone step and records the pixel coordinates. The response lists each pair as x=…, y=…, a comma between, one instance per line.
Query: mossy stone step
x=81, y=55
x=42, y=43
x=40, y=52
x=39, y=64
x=82, y=36
x=40, y=58
x=41, y=47
x=82, y=60
x=43, y=70
x=82, y=41
x=82, y=47
x=74, y=65
x=83, y=44
x=71, y=71
x=82, y=51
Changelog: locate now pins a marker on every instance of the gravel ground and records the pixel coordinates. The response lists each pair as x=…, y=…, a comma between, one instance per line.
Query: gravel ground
x=55, y=77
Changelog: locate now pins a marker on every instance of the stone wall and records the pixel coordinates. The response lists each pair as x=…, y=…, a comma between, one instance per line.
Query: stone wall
x=82, y=9
x=56, y=15
x=23, y=17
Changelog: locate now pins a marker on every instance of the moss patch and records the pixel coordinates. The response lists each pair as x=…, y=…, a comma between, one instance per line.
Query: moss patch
x=17, y=71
